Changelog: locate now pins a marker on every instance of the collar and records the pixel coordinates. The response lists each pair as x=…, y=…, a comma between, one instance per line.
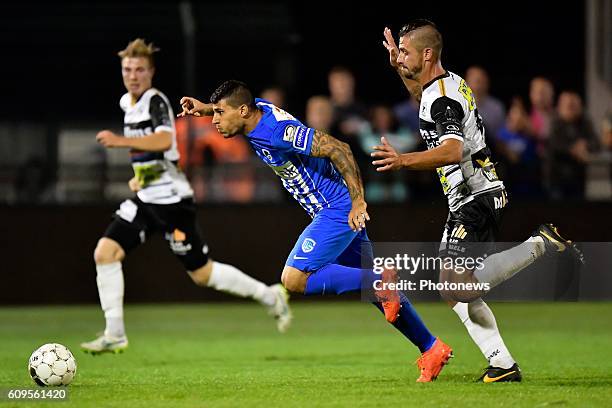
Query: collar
x=446, y=74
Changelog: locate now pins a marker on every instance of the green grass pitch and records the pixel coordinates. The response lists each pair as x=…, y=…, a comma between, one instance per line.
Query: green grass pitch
x=336, y=354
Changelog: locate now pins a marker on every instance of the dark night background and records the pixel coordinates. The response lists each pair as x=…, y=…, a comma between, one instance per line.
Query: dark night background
x=60, y=63
x=60, y=71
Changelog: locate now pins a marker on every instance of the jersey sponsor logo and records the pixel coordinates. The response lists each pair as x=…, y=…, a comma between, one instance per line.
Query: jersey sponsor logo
x=289, y=134
x=466, y=91
x=430, y=137
x=452, y=127
x=308, y=245
x=300, y=140
x=130, y=132
x=148, y=172
x=267, y=154
x=286, y=171
x=501, y=201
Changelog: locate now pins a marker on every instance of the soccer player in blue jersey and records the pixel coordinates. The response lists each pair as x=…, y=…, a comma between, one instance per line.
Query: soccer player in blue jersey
x=320, y=172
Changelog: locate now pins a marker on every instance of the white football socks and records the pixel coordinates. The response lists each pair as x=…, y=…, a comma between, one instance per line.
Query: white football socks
x=502, y=266
x=110, y=288
x=480, y=323
x=229, y=279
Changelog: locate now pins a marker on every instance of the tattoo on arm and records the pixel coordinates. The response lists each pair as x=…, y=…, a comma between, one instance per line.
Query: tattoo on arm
x=324, y=145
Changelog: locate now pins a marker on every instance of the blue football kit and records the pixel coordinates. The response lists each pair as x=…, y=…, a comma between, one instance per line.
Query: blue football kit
x=284, y=144
x=328, y=249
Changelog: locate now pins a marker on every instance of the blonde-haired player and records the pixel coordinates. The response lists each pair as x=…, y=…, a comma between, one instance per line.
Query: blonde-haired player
x=163, y=203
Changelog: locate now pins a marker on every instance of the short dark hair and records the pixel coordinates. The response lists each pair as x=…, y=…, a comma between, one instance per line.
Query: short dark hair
x=235, y=92
x=417, y=23
x=425, y=34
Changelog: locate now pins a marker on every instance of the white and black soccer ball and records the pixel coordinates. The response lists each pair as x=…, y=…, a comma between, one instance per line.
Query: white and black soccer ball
x=52, y=364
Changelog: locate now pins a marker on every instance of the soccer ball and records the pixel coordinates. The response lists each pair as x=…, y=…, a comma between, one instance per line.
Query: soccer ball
x=52, y=364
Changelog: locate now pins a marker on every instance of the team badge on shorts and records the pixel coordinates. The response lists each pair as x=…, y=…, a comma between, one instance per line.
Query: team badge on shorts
x=308, y=245
x=177, y=239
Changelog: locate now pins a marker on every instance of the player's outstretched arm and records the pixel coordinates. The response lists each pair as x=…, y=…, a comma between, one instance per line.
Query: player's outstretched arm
x=324, y=145
x=194, y=107
x=448, y=152
x=155, y=142
x=414, y=87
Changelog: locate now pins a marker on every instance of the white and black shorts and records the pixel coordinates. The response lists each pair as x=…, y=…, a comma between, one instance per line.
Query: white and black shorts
x=472, y=229
x=135, y=220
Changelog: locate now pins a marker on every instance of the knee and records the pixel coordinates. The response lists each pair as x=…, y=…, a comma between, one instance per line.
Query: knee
x=201, y=276
x=108, y=251
x=452, y=297
x=294, y=280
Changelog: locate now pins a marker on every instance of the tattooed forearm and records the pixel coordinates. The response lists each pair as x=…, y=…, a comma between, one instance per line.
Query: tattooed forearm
x=340, y=154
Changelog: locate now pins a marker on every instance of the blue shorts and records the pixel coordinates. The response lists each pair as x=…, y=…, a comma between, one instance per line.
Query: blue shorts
x=328, y=239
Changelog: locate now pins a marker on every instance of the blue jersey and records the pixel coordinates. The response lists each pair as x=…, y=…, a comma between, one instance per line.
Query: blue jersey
x=284, y=144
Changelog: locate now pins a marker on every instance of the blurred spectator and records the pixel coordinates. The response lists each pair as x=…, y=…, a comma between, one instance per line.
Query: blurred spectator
x=349, y=115
x=232, y=177
x=541, y=96
x=520, y=162
x=572, y=139
x=319, y=113
x=385, y=186
x=383, y=122
x=490, y=108
x=274, y=95
x=33, y=182
x=407, y=114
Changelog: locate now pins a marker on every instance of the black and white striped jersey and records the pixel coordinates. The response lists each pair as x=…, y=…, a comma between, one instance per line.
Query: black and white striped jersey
x=448, y=110
x=161, y=180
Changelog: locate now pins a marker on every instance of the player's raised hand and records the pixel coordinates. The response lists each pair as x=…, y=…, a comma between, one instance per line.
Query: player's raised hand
x=389, y=158
x=358, y=215
x=108, y=139
x=391, y=46
x=191, y=106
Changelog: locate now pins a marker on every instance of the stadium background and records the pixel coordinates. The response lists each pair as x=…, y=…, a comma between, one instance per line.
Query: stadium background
x=61, y=84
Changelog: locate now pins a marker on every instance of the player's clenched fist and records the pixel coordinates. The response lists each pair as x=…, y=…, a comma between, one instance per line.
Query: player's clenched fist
x=358, y=215
x=108, y=139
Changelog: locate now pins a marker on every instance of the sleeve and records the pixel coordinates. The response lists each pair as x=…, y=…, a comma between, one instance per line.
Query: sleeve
x=447, y=115
x=160, y=114
x=292, y=136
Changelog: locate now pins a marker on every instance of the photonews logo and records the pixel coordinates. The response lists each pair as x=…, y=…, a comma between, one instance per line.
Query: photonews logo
x=308, y=245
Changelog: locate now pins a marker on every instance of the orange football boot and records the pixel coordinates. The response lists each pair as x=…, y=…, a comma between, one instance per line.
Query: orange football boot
x=433, y=360
x=389, y=298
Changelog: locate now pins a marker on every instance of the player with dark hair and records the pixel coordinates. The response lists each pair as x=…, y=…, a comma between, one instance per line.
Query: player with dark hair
x=163, y=202
x=320, y=172
x=454, y=134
